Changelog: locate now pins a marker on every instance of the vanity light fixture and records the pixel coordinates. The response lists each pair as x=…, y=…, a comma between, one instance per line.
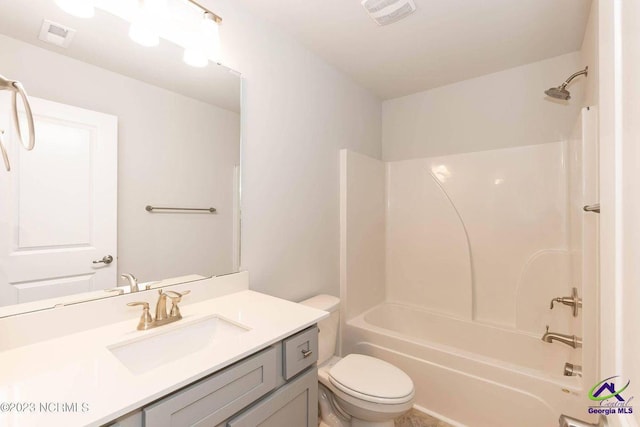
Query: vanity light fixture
x=78, y=8
x=150, y=20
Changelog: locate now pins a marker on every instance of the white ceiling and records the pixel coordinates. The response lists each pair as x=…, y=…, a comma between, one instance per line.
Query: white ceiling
x=444, y=41
x=103, y=41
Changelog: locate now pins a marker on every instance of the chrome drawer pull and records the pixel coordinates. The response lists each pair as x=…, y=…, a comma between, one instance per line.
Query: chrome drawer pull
x=306, y=353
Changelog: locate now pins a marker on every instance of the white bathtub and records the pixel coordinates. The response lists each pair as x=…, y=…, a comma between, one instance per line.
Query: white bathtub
x=468, y=373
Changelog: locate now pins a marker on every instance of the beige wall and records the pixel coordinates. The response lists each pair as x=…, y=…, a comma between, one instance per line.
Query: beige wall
x=499, y=110
x=171, y=150
x=298, y=111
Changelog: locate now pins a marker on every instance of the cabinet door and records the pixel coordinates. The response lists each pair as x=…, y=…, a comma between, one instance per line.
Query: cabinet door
x=293, y=405
x=213, y=400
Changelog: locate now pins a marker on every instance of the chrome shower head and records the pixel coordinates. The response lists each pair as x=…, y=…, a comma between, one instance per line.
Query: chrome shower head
x=561, y=91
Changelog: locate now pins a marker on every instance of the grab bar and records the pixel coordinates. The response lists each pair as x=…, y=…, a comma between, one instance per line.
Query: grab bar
x=150, y=208
x=592, y=208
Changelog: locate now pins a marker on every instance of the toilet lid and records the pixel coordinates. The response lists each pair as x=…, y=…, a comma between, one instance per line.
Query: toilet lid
x=371, y=377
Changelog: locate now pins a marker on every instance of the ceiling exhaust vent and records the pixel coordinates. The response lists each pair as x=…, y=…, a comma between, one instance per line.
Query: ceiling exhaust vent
x=388, y=11
x=56, y=34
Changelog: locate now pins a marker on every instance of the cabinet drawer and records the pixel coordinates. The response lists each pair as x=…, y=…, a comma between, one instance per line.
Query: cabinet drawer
x=300, y=351
x=212, y=400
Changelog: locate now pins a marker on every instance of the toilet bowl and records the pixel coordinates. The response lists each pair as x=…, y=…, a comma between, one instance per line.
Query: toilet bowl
x=357, y=390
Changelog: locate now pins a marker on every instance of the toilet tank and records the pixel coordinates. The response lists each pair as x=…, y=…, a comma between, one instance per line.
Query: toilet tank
x=328, y=335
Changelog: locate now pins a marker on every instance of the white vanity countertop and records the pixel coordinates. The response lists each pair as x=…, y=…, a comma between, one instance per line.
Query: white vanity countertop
x=39, y=382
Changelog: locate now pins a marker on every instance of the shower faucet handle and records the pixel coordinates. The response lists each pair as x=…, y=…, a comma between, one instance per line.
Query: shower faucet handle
x=572, y=301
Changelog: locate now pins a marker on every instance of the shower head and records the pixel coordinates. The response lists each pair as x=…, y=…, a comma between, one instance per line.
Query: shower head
x=561, y=91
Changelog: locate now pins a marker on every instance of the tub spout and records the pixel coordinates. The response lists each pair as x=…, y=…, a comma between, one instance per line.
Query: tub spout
x=570, y=340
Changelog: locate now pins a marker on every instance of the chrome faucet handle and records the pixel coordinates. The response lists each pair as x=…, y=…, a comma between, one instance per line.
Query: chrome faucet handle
x=175, y=310
x=145, y=320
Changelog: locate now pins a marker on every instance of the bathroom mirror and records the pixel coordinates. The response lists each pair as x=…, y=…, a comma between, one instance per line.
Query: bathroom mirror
x=122, y=132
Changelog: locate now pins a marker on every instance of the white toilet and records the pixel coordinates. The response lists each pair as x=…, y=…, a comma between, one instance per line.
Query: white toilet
x=357, y=390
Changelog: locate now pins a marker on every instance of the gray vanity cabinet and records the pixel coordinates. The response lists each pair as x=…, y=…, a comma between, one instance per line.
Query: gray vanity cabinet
x=275, y=387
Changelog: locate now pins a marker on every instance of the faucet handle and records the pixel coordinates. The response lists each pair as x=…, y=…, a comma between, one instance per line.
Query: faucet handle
x=573, y=301
x=178, y=294
x=175, y=310
x=145, y=320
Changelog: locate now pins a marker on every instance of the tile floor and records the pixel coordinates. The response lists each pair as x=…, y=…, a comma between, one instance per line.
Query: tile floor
x=418, y=419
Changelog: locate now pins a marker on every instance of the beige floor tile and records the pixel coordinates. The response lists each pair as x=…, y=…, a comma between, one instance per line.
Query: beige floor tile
x=418, y=419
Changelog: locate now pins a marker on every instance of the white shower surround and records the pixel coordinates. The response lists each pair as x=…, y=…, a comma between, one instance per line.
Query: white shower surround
x=448, y=269
x=491, y=225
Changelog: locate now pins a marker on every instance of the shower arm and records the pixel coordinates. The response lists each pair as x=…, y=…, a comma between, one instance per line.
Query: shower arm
x=574, y=75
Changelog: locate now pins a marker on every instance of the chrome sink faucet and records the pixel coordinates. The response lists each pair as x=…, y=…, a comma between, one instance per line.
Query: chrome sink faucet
x=131, y=279
x=162, y=318
x=570, y=340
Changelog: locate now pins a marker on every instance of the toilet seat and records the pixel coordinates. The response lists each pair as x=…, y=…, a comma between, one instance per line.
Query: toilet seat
x=371, y=380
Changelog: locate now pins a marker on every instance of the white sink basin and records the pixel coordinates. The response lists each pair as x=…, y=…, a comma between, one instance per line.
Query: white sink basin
x=143, y=354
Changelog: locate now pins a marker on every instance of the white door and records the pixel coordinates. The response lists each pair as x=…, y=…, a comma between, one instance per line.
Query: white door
x=58, y=205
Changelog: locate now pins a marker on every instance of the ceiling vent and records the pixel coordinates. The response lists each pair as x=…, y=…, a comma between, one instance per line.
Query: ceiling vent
x=56, y=34
x=388, y=11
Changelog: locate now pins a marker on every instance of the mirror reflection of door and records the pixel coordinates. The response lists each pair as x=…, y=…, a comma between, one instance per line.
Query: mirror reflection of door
x=59, y=205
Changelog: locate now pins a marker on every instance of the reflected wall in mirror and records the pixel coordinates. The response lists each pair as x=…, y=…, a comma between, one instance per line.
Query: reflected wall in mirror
x=118, y=127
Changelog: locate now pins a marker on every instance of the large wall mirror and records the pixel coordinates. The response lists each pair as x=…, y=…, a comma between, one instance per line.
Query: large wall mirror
x=122, y=131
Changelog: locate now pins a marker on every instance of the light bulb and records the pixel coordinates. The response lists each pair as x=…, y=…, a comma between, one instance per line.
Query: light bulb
x=143, y=35
x=156, y=7
x=143, y=28
x=211, y=36
x=195, y=57
x=79, y=8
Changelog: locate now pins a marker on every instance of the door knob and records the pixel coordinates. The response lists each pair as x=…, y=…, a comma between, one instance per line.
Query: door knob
x=107, y=259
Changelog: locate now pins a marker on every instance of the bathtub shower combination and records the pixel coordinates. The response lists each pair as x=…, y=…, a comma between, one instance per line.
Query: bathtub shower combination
x=448, y=268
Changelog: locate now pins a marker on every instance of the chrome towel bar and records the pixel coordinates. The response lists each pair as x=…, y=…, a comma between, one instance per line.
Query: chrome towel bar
x=592, y=208
x=150, y=208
